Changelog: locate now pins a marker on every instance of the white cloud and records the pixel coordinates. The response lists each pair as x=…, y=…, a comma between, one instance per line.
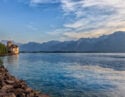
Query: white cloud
x=93, y=18
x=101, y=76
x=77, y=24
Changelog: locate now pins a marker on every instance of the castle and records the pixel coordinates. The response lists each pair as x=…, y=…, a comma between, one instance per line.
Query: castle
x=12, y=48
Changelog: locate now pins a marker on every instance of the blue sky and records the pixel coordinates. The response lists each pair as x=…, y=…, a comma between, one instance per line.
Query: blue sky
x=45, y=20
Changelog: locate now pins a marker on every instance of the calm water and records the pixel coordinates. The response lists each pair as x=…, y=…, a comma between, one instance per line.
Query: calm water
x=71, y=75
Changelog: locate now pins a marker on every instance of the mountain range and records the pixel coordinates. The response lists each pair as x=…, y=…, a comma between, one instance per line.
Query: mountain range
x=107, y=43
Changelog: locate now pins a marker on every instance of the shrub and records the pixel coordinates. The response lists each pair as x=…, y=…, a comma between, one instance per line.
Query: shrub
x=3, y=49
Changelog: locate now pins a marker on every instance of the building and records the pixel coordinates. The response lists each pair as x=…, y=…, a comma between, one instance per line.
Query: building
x=12, y=48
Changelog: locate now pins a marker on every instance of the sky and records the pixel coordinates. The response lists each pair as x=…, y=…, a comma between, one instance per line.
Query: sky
x=45, y=20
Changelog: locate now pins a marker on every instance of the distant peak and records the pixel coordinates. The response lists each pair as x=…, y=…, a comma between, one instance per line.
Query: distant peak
x=117, y=33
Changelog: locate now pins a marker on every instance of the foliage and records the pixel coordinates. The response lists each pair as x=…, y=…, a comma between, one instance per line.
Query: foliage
x=3, y=49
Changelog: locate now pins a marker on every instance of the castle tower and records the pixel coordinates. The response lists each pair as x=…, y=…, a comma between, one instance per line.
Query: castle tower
x=9, y=44
x=12, y=48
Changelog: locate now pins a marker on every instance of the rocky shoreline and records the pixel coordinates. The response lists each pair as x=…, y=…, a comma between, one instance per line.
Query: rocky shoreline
x=12, y=87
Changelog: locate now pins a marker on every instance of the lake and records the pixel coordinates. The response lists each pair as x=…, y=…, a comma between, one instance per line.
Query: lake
x=71, y=74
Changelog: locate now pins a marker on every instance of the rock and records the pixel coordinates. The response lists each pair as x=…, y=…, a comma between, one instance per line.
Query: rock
x=17, y=85
x=21, y=95
x=9, y=81
x=10, y=95
x=28, y=89
x=7, y=95
x=12, y=87
x=2, y=83
x=2, y=93
x=7, y=87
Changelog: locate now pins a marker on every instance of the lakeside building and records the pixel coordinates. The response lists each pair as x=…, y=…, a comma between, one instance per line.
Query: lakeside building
x=12, y=48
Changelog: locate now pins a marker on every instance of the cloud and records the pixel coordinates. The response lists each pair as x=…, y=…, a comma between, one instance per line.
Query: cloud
x=94, y=18
x=89, y=18
x=101, y=77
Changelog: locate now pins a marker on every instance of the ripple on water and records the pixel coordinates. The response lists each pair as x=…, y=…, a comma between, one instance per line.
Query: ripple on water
x=71, y=75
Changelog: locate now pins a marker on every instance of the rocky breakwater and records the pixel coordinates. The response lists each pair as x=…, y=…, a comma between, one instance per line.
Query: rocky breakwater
x=12, y=87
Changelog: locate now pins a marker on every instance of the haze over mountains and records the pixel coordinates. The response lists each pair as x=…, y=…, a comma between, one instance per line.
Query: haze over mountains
x=107, y=43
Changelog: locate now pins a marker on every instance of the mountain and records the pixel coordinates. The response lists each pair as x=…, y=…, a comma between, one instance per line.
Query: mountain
x=107, y=43
x=4, y=42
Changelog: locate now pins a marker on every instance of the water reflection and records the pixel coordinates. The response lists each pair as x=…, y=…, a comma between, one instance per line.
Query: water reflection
x=71, y=75
x=13, y=59
x=106, y=60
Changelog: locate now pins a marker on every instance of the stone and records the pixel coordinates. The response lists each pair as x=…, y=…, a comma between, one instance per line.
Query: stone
x=28, y=89
x=6, y=87
x=12, y=87
x=10, y=95
x=9, y=81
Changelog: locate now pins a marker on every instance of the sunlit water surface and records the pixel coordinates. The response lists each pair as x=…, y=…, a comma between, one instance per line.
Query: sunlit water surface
x=71, y=74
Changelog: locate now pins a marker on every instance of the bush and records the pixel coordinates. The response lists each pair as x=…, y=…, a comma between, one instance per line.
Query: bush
x=3, y=49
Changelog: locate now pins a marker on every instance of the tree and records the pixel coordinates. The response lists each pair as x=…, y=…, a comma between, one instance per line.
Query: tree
x=3, y=49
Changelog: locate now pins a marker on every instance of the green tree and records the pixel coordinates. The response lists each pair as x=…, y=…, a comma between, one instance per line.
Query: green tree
x=3, y=49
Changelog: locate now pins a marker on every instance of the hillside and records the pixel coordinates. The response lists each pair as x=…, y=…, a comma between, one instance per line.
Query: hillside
x=107, y=43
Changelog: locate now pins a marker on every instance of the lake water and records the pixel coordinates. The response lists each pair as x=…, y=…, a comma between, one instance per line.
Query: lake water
x=71, y=74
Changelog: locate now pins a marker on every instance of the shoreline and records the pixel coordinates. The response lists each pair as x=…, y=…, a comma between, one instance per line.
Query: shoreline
x=8, y=54
x=13, y=87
